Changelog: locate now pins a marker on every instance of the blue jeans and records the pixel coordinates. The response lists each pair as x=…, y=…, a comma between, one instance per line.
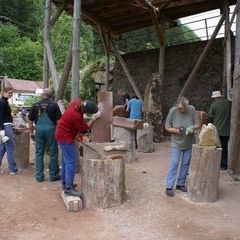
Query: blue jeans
x=176, y=156
x=9, y=148
x=69, y=159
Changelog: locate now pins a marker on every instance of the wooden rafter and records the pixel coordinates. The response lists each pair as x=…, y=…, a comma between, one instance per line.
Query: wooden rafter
x=154, y=16
x=118, y=16
x=87, y=16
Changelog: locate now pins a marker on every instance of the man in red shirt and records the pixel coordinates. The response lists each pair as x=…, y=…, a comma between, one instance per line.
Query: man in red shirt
x=69, y=126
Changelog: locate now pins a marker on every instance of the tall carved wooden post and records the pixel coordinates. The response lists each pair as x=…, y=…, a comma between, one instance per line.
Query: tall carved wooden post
x=153, y=96
x=234, y=143
x=76, y=50
x=47, y=12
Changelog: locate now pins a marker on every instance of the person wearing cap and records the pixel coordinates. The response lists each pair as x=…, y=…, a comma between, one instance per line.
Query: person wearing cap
x=181, y=122
x=70, y=126
x=45, y=115
x=220, y=115
x=6, y=122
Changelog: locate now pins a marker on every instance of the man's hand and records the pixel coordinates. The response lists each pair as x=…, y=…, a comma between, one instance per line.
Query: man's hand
x=96, y=116
x=190, y=130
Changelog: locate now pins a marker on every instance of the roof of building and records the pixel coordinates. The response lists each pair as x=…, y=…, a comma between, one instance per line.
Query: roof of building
x=120, y=16
x=24, y=85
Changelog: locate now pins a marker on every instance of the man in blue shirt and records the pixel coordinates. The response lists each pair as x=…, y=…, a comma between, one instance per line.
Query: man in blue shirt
x=135, y=108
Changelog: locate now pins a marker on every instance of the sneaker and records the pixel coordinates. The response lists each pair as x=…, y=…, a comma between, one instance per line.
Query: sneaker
x=169, y=192
x=73, y=192
x=181, y=188
x=73, y=186
x=55, y=179
x=1, y=171
x=12, y=173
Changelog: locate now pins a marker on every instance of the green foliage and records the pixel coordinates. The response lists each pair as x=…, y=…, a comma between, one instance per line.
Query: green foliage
x=20, y=57
x=180, y=34
x=88, y=86
x=31, y=101
x=61, y=37
x=25, y=14
x=144, y=39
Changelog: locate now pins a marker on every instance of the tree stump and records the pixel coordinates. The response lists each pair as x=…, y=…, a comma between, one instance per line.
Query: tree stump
x=128, y=136
x=22, y=147
x=145, y=140
x=103, y=182
x=204, y=174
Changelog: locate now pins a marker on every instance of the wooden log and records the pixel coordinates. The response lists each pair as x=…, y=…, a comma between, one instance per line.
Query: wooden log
x=103, y=182
x=204, y=174
x=145, y=140
x=22, y=148
x=73, y=204
x=128, y=136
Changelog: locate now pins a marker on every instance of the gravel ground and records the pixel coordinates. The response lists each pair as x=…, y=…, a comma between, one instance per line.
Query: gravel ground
x=30, y=210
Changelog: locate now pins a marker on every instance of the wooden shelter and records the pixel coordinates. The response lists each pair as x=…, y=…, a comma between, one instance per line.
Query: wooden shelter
x=115, y=17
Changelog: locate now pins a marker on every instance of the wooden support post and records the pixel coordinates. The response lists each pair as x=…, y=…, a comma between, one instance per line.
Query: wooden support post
x=76, y=50
x=234, y=143
x=204, y=174
x=124, y=66
x=202, y=57
x=52, y=65
x=227, y=66
x=232, y=20
x=65, y=75
x=47, y=11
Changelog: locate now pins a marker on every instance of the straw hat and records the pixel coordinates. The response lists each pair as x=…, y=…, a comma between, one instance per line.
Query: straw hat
x=216, y=94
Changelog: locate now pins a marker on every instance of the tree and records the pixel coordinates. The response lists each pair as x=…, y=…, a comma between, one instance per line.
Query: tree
x=27, y=15
x=20, y=57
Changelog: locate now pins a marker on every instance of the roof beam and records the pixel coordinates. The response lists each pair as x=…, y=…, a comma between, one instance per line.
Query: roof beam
x=154, y=16
x=87, y=16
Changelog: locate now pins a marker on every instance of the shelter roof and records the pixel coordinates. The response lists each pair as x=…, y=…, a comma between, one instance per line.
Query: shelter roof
x=120, y=16
x=24, y=85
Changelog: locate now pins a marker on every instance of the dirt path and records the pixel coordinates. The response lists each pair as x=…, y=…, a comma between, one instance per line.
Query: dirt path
x=30, y=210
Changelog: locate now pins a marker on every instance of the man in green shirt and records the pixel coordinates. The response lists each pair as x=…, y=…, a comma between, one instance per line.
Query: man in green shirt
x=220, y=115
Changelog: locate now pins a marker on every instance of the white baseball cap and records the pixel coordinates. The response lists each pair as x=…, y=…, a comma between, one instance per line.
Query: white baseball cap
x=216, y=94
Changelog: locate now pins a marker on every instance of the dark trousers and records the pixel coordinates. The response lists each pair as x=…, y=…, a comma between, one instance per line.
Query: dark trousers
x=224, y=143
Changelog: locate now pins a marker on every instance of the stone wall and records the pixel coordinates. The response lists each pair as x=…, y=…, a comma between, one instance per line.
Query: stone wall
x=179, y=64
